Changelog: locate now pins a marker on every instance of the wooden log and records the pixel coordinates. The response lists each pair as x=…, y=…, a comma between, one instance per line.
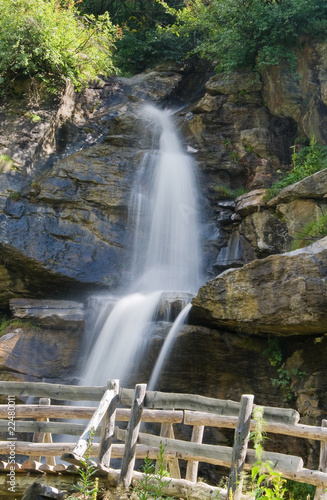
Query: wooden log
x=177, y=488
x=54, y=391
x=132, y=432
x=314, y=477
x=193, y=465
x=86, y=412
x=168, y=431
x=321, y=493
x=84, y=441
x=31, y=465
x=228, y=422
x=108, y=426
x=241, y=439
x=48, y=469
x=57, y=449
x=215, y=454
x=46, y=427
x=156, y=399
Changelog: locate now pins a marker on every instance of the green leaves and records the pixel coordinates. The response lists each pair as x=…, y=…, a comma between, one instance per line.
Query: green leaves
x=41, y=39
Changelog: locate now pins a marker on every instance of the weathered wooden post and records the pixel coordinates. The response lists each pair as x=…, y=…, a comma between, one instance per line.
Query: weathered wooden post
x=167, y=430
x=192, y=465
x=241, y=439
x=43, y=437
x=320, y=490
x=108, y=426
x=133, y=427
x=84, y=441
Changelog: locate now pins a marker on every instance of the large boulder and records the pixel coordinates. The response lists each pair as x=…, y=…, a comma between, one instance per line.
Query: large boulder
x=282, y=294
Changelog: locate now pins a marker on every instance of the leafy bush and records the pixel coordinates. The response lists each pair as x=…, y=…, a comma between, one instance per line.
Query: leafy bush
x=307, y=161
x=41, y=39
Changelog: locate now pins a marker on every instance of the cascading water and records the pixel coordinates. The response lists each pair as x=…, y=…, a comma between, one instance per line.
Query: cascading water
x=164, y=212
x=165, y=351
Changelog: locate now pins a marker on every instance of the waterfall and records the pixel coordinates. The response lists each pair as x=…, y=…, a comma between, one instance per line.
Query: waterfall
x=166, y=254
x=167, y=347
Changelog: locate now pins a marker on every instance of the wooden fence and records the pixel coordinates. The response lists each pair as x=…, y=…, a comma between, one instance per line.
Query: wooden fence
x=128, y=444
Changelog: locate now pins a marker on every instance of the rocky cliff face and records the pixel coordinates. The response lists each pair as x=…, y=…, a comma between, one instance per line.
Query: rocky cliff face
x=66, y=182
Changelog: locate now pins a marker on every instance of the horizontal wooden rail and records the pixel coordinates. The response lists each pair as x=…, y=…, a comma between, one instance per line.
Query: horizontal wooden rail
x=154, y=399
x=54, y=391
x=227, y=422
x=86, y=412
x=56, y=449
x=214, y=454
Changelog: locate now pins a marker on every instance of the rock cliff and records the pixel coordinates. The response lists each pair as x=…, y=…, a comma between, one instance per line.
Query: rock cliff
x=66, y=181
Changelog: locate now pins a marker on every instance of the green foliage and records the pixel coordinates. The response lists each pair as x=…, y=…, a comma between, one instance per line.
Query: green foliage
x=284, y=376
x=6, y=322
x=145, y=48
x=154, y=478
x=273, y=351
x=299, y=491
x=6, y=163
x=14, y=195
x=307, y=161
x=87, y=486
x=266, y=483
x=239, y=33
x=311, y=232
x=50, y=42
x=226, y=193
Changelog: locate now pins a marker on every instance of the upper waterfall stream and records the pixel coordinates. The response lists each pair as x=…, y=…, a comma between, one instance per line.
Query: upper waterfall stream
x=164, y=213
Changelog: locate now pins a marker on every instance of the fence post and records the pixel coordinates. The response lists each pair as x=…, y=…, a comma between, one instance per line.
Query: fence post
x=192, y=465
x=321, y=491
x=241, y=439
x=167, y=431
x=108, y=426
x=43, y=437
x=133, y=427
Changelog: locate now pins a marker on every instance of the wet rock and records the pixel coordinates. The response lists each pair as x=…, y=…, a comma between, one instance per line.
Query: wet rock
x=281, y=294
x=57, y=314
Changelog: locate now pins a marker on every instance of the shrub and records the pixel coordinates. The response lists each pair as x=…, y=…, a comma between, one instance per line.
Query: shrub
x=48, y=41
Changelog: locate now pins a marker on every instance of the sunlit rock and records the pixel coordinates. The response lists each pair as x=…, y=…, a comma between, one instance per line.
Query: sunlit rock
x=281, y=294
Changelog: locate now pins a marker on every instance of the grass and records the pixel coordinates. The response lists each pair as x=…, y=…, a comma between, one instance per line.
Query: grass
x=226, y=193
x=312, y=232
x=307, y=161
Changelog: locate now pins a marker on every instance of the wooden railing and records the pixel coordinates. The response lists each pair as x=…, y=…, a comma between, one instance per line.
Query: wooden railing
x=129, y=444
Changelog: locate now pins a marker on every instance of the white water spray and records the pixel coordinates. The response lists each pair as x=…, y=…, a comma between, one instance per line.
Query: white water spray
x=164, y=212
x=168, y=345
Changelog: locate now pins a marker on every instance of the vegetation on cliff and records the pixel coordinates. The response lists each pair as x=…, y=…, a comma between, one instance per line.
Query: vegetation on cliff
x=307, y=161
x=52, y=41
x=49, y=42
